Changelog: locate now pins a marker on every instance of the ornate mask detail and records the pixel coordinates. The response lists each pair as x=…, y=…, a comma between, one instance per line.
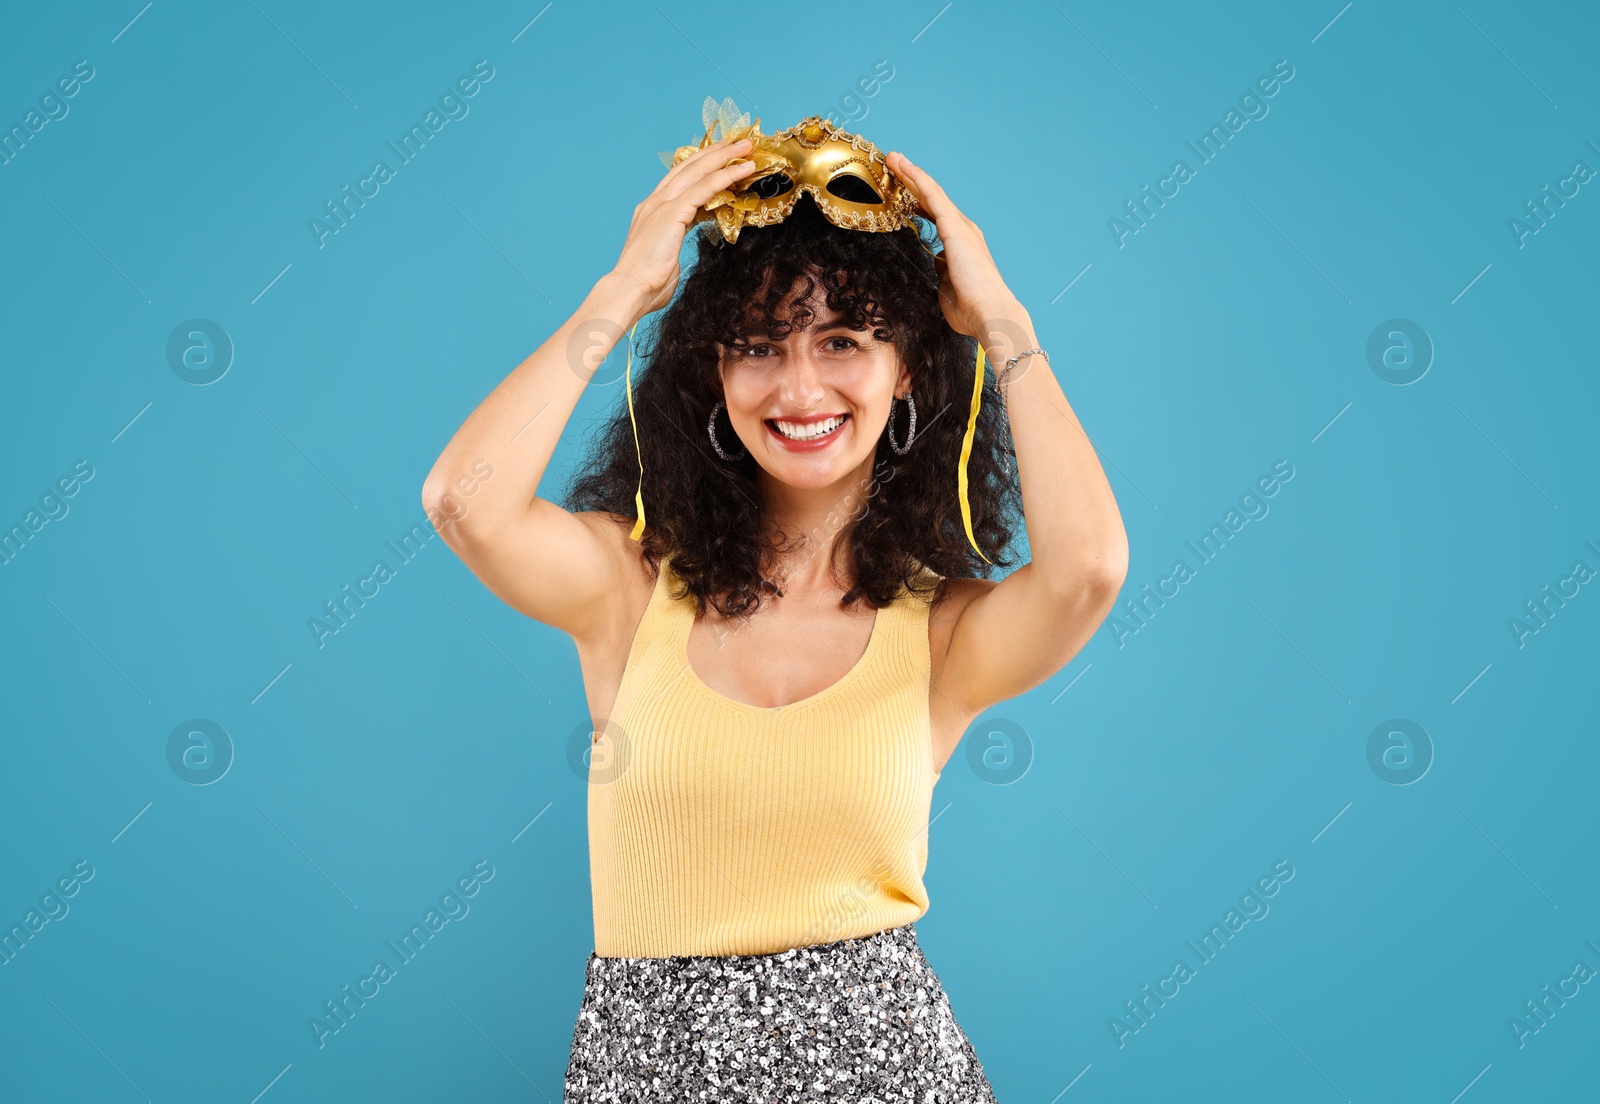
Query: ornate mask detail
x=844, y=174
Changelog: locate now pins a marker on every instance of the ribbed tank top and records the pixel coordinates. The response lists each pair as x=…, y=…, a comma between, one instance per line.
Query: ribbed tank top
x=720, y=828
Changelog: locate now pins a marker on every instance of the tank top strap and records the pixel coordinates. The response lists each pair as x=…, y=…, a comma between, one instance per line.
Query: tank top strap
x=653, y=639
x=904, y=625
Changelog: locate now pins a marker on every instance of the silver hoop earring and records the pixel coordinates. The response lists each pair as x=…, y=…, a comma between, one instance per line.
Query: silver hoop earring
x=711, y=431
x=911, y=430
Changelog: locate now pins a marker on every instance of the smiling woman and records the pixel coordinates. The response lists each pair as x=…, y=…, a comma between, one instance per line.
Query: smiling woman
x=772, y=570
x=801, y=323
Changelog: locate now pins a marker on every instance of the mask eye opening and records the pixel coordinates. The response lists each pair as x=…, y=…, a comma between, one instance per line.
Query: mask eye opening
x=771, y=186
x=853, y=189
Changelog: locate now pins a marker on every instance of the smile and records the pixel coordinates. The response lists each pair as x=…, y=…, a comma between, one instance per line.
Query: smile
x=810, y=434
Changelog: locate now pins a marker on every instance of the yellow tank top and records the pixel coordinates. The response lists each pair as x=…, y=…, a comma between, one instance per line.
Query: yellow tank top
x=719, y=828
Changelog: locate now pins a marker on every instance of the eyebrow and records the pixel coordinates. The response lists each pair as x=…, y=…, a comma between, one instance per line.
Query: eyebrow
x=840, y=323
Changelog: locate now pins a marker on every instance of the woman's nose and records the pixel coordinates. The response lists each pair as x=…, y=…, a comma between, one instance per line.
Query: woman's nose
x=801, y=385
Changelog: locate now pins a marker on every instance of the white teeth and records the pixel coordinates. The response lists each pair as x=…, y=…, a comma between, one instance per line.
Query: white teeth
x=797, y=432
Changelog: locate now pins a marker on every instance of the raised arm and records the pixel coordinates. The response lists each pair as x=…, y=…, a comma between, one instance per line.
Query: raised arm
x=1010, y=636
x=555, y=566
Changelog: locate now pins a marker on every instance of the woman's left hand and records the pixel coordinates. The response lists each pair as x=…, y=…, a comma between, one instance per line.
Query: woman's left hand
x=972, y=293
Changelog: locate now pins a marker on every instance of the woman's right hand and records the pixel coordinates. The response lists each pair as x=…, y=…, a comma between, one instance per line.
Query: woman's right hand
x=649, y=260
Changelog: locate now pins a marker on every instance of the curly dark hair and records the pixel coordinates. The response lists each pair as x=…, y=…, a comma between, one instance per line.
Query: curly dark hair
x=706, y=512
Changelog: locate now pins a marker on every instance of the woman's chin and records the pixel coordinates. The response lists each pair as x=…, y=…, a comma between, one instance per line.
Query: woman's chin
x=810, y=465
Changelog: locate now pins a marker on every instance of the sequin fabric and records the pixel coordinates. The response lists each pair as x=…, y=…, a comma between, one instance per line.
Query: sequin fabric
x=864, y=1020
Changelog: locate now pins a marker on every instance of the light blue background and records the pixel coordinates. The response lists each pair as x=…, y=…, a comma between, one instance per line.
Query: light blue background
x=1229, y=733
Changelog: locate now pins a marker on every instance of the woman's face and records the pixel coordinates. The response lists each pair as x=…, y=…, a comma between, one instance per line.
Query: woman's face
x=811, y=406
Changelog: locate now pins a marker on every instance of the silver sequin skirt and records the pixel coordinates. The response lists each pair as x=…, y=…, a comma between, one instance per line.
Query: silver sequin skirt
x=862, y=1020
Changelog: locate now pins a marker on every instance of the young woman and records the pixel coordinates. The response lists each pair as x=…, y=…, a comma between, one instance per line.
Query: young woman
x=771, y=572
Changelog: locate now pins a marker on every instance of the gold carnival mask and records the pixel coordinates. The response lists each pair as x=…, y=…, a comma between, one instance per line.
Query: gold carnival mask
x=852, y=186
x=844, y=174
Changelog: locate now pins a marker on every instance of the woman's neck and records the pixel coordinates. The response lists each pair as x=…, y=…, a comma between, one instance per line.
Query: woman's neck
x=805, y=525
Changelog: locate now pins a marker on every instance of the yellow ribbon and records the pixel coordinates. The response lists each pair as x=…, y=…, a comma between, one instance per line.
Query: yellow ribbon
x=966, y=451
x=638, y=495
x=966, y=442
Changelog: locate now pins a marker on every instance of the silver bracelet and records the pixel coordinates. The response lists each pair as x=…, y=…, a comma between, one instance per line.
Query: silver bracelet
x=1001, y=381
x=1012, y=363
